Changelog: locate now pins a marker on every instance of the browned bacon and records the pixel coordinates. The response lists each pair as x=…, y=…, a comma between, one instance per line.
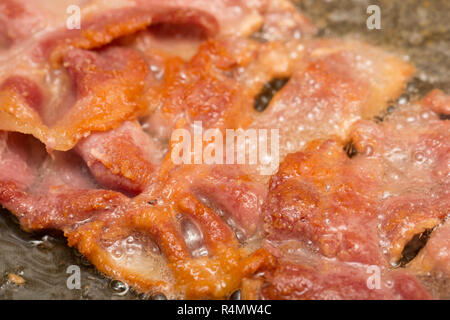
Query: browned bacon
x=282, y=21
x=362, y=209
x=335, y=84
x=435, y=256
x=233, y=195
x=87, y=116
x=334, y=281
x=120, y=159
x=412, y=148
x=108, y=85
x=217, y=86
x=275, y=19
x=164, y=240
x=97, y=31
x=438, y=101
x=25, y=88
x=327, y=202
x=102, y=28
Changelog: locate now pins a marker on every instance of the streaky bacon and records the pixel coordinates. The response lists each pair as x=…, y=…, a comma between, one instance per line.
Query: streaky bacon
x=438, y=101
x=362, y=209
x=214, y=87
x=120, y=159
x=27, y=89
x=108, y=87
x=434, y=258
x=193, y=231
x=14, y=160
x=58, y=193
x=282, y=21
x=335, y=84
x=97, y=32
x=161, y=224
x=277, y=20
x=100, y=28
x=234, y=195
x=432, y=263
x=326, y=201
x=412, y=147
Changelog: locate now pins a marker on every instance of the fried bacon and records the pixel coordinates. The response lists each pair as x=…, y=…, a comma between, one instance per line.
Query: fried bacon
x=87, y=116
x=108, y=85
x=96, y=31
x=362, y=209
x=121, y=158
x=274, y=19
x=435, y=256
x=412, y=148
x=150, y=243
x=217, y=86
x=335, y=84
x=282, y=21
x=102, y=29
x=326, y=201
x=18, y=20
x=333, y=281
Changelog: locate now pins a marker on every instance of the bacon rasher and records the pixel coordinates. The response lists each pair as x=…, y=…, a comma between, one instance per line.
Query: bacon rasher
x=85, y=148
